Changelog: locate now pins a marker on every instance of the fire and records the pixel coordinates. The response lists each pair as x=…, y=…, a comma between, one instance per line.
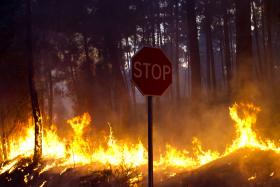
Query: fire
x=245, y=116
x=79, y=150
x=203, y=157
x=175, y=158
x=113, y=152
x=118, y=153
x=22, y=143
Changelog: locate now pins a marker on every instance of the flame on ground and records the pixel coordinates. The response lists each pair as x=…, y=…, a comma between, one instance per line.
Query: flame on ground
x=245, y=116
x=116, y=152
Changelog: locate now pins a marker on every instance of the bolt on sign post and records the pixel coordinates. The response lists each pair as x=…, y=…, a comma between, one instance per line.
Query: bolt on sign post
x=152, y=75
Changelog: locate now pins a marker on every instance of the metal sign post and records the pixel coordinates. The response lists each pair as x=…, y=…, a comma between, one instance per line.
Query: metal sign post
x=150, y=141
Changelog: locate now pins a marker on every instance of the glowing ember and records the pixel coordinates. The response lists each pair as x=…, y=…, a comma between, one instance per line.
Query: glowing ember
x=252, y=178
x=114, y=152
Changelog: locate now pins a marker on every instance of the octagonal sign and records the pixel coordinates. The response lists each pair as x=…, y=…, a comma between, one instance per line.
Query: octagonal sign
x=151, y=71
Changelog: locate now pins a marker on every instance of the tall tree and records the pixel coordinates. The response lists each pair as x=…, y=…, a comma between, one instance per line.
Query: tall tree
x=177, y=64
x=33, y=92
x=193, y=50
x=267, y=17
x=227, y=56
x=257, y=42
x=244, y=61
x=209, y=48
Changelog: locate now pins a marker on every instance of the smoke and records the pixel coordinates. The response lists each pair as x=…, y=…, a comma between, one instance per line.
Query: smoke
x=209, y=123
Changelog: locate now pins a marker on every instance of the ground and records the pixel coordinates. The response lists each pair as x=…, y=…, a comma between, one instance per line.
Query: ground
x=245, y=167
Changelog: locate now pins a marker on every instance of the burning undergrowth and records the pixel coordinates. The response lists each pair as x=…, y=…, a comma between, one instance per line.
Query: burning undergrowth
x=245, y=167
x=90, y=160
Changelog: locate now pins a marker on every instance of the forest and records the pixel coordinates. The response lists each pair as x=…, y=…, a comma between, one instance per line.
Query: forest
x=67, y=58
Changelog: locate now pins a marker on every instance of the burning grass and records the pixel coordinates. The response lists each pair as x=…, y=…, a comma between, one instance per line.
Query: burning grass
x=110, y=157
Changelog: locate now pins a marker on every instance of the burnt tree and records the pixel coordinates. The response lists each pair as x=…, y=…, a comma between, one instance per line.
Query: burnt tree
x=244, y=74
x=211, y=77
x=33, y=92
x=227, y=56
x=193, y=50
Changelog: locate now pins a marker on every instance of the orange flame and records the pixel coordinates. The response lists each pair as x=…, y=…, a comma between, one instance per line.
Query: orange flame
x=118, y=152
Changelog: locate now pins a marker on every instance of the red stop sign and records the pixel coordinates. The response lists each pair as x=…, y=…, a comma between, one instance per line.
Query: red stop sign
x=151, y=71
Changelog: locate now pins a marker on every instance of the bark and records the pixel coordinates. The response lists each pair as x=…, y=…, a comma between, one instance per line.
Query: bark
x=88, y=97
x=244, y=57
x=88, y=61
x=177, y=63
x=50, y=99
x=193, y=50
x=263, y=44
x=3, y=140
x=209, y=50
x=232, y=41
x=267, y=11
x=256, y=35
x=222, y=60
x=132, y=85
x=119, y=90
x=152, y=14
x=227, y=44
x=33, y=92
x=187, y=78
x=73, y=77
x=172, y=95
x=156, y=34
x=158, y=26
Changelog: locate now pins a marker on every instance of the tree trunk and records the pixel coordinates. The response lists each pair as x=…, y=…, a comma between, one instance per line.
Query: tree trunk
x=222, y=60
x=267, y=12
x=263, y=42
x=177, y=63
x=88, y=82
x=119, y=89
x=33, y=92
x=88, y=64
x=73, y=77
x=158, y=26
x=152, y=14
x=256, y=35
x=193, y=50
x=50, y=99
x=172, y=59
x=244, y=62
x=3, y=140
x=227, y=45
x=209, y=49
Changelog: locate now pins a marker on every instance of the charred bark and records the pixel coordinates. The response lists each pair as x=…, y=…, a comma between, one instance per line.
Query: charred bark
x=222, y=60
x=3, y=139
x=193, y=50
x=244, y=62
x=227, y=44
x=153, y=25
x=32, y=89
x=177, y=63
x=86, y=81
x=256, y=36
x=50, y=98
x=209, y=50
x=267, y=17
x=119, y=90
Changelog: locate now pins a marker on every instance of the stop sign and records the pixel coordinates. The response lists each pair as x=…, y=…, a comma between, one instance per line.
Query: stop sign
x=151, y=71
